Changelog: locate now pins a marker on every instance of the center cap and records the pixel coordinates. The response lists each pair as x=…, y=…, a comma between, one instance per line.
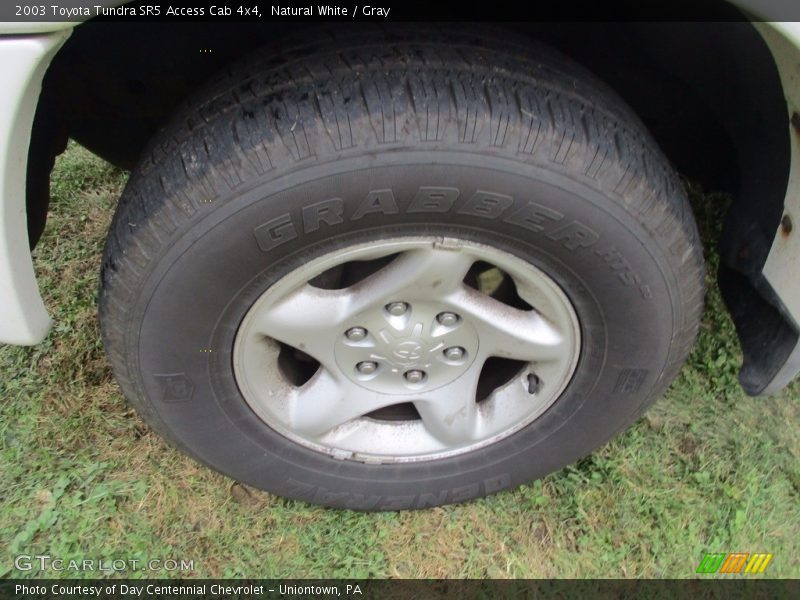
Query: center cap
x=408, y=352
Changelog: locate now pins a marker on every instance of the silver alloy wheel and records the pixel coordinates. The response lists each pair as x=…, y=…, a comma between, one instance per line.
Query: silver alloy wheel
x=411, y=332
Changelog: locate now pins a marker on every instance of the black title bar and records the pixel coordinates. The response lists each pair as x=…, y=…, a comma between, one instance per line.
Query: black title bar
x=393, y=11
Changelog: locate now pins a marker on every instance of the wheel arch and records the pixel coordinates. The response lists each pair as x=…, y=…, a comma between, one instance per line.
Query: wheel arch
x=710, y=93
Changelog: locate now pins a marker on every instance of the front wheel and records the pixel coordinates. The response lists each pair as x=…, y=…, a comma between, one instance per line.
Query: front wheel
x=384, y=277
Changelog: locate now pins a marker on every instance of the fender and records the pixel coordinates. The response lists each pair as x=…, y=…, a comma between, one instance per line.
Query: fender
x=23, y=62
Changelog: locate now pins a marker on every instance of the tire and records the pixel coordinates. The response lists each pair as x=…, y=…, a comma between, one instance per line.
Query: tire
x=337, y=149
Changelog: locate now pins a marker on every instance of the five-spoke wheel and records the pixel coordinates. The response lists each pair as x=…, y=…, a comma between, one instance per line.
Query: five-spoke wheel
x=411, y=334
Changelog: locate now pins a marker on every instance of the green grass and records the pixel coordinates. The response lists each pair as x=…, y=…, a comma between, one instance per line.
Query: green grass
x=707, y=469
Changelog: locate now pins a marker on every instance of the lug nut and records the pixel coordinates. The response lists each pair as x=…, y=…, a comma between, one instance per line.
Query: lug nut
x=414, y=376
x=397, y=308
x=356, y=334
x=454, y=353
x=447, y=318
x=367, y=367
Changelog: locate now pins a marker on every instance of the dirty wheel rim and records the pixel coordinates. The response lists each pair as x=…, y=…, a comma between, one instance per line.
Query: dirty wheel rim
x=394, y=366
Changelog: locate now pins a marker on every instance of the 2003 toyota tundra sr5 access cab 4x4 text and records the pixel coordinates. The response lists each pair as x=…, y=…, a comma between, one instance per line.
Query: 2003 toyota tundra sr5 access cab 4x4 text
x=397, y=267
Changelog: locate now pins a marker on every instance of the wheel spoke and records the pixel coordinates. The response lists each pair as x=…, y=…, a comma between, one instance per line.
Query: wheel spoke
x=450, y=413
x=325, y=402
x=308, y=318
x=418, y=273
x=509, y=332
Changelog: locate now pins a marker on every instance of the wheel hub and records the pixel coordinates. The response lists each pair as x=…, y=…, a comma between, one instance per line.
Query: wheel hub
x=412, y=350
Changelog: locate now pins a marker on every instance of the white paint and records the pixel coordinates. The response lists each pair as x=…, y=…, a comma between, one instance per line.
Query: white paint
x=23, y=62
x=781, y=268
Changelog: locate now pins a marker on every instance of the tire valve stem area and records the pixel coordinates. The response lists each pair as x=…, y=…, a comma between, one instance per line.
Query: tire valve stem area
x=534, y=383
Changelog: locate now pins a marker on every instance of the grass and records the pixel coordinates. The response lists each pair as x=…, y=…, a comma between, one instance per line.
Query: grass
x=707, y=469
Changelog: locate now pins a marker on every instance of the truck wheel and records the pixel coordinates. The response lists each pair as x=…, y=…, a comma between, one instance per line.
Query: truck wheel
x=387, y=275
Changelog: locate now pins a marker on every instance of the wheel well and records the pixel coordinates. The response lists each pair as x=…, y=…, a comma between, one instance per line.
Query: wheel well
x=708, y=92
